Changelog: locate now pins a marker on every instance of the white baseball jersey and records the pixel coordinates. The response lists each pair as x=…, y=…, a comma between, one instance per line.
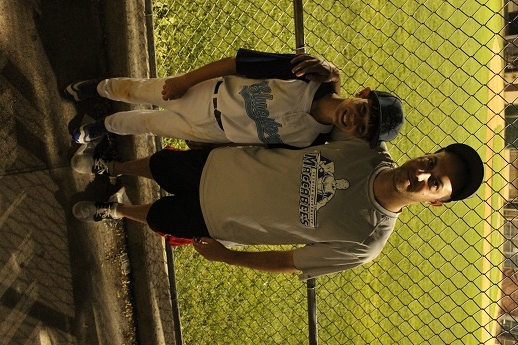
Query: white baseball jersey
x=268, y=111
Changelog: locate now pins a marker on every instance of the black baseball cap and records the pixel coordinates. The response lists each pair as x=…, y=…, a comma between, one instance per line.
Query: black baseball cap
x=472, y=165
x=386, y=117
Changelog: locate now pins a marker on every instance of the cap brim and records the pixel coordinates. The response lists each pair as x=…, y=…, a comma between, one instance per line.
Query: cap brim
x=375, y=122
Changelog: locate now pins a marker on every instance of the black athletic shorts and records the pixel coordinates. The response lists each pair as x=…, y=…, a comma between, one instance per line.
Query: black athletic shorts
x=178, y=173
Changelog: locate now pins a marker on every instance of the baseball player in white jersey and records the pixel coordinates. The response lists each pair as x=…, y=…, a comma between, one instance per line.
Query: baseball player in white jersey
x=253, y=98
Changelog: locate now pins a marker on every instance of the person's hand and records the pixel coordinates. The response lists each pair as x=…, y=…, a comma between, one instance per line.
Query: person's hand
x=210, y=249
x=174, y=88
x=314, y=69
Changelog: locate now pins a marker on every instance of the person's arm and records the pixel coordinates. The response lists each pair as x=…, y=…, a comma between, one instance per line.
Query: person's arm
x=176, y=87
x=256, y=65
x=195, y=145
x=264, y=65
x=268, y=261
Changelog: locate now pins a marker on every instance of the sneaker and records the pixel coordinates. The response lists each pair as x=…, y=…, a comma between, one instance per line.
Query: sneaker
x=102, y=166
x=89, y=211
x=83, y=159
x=87, y=164
x=89, y=132
x=81, y=90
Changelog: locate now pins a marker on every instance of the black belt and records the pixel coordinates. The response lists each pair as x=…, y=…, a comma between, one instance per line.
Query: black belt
x=217, y=113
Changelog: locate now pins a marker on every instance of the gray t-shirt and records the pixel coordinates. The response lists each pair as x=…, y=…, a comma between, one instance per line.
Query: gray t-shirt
x=321, y=196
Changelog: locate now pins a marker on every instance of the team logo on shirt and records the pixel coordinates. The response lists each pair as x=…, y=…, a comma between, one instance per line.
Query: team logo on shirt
x=317, y=186
x=256, y=107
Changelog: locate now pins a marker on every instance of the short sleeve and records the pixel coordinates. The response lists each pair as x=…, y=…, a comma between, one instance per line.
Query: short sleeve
x=262, y=65
x=319, y=259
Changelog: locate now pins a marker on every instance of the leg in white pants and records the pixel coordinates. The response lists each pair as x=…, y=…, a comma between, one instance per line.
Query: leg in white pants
x=190, y=117
x=134, y=90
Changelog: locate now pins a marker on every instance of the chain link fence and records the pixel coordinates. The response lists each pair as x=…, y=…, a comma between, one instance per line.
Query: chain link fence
x=447, y=275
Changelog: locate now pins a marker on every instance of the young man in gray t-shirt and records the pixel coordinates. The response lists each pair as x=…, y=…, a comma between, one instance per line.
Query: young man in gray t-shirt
x=338, y=201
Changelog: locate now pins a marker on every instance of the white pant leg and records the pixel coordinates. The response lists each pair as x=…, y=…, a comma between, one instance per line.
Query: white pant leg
x=190, y=117
x=134, y=90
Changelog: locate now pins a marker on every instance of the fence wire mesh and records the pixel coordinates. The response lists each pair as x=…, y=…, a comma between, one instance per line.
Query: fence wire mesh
x=447, y=275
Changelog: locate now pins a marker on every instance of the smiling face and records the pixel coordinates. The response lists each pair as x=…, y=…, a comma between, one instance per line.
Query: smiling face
x=430, y=178
x=352, y=116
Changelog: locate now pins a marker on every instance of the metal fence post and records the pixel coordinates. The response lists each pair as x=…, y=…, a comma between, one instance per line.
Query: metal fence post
x=299, y=26
x=174, y=295
x=158, y=142
x=312, y=312
x=312, y=302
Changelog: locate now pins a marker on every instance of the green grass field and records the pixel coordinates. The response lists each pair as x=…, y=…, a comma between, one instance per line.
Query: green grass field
x=436, y=281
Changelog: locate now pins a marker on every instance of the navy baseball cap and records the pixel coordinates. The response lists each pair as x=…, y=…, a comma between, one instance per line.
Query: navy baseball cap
x=473, y=167
x=388, y=117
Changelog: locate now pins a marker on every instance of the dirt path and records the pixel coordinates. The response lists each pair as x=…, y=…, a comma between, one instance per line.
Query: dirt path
x=61, y=282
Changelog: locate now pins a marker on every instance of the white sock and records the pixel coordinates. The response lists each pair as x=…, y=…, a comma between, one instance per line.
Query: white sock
x=114, y=211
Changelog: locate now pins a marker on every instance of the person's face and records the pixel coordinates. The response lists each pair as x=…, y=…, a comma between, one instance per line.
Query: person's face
x=352, y=115
x=428, y=178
